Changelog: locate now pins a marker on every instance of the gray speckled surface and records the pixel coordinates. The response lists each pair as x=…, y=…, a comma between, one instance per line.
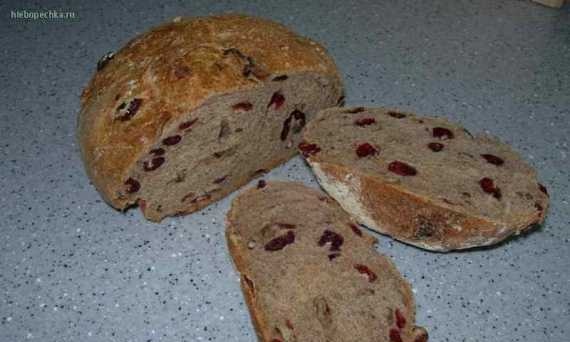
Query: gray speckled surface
x=73, y=269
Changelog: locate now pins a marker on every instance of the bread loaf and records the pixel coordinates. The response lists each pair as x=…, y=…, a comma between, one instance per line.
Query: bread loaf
x=422, y=180
x=193, y=109
x=308, y=273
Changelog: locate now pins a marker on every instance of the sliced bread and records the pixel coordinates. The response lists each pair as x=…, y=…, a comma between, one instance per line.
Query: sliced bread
x=308, y=273
x=422, y=180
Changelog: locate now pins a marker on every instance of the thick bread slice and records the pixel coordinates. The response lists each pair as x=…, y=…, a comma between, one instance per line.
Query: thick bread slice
x=424, y=181
x=193, y=109
x=309, y=274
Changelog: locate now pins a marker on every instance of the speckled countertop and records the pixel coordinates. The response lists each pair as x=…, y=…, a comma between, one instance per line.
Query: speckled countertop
x=73, y=269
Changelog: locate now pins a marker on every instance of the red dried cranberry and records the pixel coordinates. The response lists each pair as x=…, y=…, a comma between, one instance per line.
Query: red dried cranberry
x=277, y=100
x=157, y=151
x=363, y=269
x=280, y=78
x=365, y=150
x=289, y=324
x=436, y=147
x=402, y=169
x=400, y=319
x=220, y=180
x=276, y=340
x=397, y=115
x=244, y=106
x=336, y=240
x=153, y=164
x=422, y=338
x=355, y=110
x=131, y=110
x=309, y=149
x=543, y=189
x=261, y=184
x=490, y=158
x=395, y=335
x=355, y=229
x=172, y=140
x=489, y=187
x=185, y=125
x=280, y=242
x=132, y=185
x=442, y=133
x=364, y=121
x=333, y=256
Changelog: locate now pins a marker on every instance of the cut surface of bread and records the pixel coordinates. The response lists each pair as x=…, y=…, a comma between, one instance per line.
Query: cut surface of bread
x=308, y=273
x=423, y=180
x=193, y=109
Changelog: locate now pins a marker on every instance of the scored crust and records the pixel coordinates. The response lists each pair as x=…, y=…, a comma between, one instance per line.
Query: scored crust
x=442, y=204
x=174, y=69
x=287, y=285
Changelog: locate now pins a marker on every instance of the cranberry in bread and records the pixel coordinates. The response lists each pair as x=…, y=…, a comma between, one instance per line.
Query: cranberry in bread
x=309, y=273
x=424, y=181
x=195, y=108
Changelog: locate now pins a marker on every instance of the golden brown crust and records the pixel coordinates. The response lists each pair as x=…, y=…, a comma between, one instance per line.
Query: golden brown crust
x=390, y=209
x=175, y=68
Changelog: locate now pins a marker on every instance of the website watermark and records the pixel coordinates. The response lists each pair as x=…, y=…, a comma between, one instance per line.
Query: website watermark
x=43, y=15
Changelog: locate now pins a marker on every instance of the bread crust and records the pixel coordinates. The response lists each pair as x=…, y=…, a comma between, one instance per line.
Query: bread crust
x=175, y=68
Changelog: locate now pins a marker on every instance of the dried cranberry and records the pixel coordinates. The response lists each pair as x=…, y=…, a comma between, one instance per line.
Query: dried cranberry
x=490, y=158
x=261, y=184
x=395, y=335
x=363, y=269
x=355, y=110
x=422, y=338
x=364, y=121
x=131, y=110
x=402, y=169
x=543, y=189
x=280, y=78
x=185, y=125
x=289, y=324
x=355, y=229
x=172, y=140
x=436, y=147
x=220, y=180
x=336, y=240
x=280, y=242
x=105, y=60
x=132, y=185
x=400, y=319
x=244, y=106
x=309, y=149
x=157, y=151
x=442, y=133
x=365, y=150
x=333, y=256
x=277, y=100
x=153, y=164
x=489, y=187
x=397, y=115
x=285, y=129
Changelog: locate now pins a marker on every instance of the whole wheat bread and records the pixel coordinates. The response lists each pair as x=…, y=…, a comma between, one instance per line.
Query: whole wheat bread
x=422, y=180
x=193, y=109
x=308, y=273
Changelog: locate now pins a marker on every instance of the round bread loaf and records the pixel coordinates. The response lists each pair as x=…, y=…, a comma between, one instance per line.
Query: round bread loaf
x=193, y=109
x=425, y=181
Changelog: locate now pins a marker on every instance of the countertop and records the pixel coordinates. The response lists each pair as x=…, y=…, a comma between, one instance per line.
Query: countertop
x=74, y=269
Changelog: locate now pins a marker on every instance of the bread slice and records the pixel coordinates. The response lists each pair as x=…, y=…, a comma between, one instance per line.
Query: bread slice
x=422, y=180
x=193, y=109
x=308, y=273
